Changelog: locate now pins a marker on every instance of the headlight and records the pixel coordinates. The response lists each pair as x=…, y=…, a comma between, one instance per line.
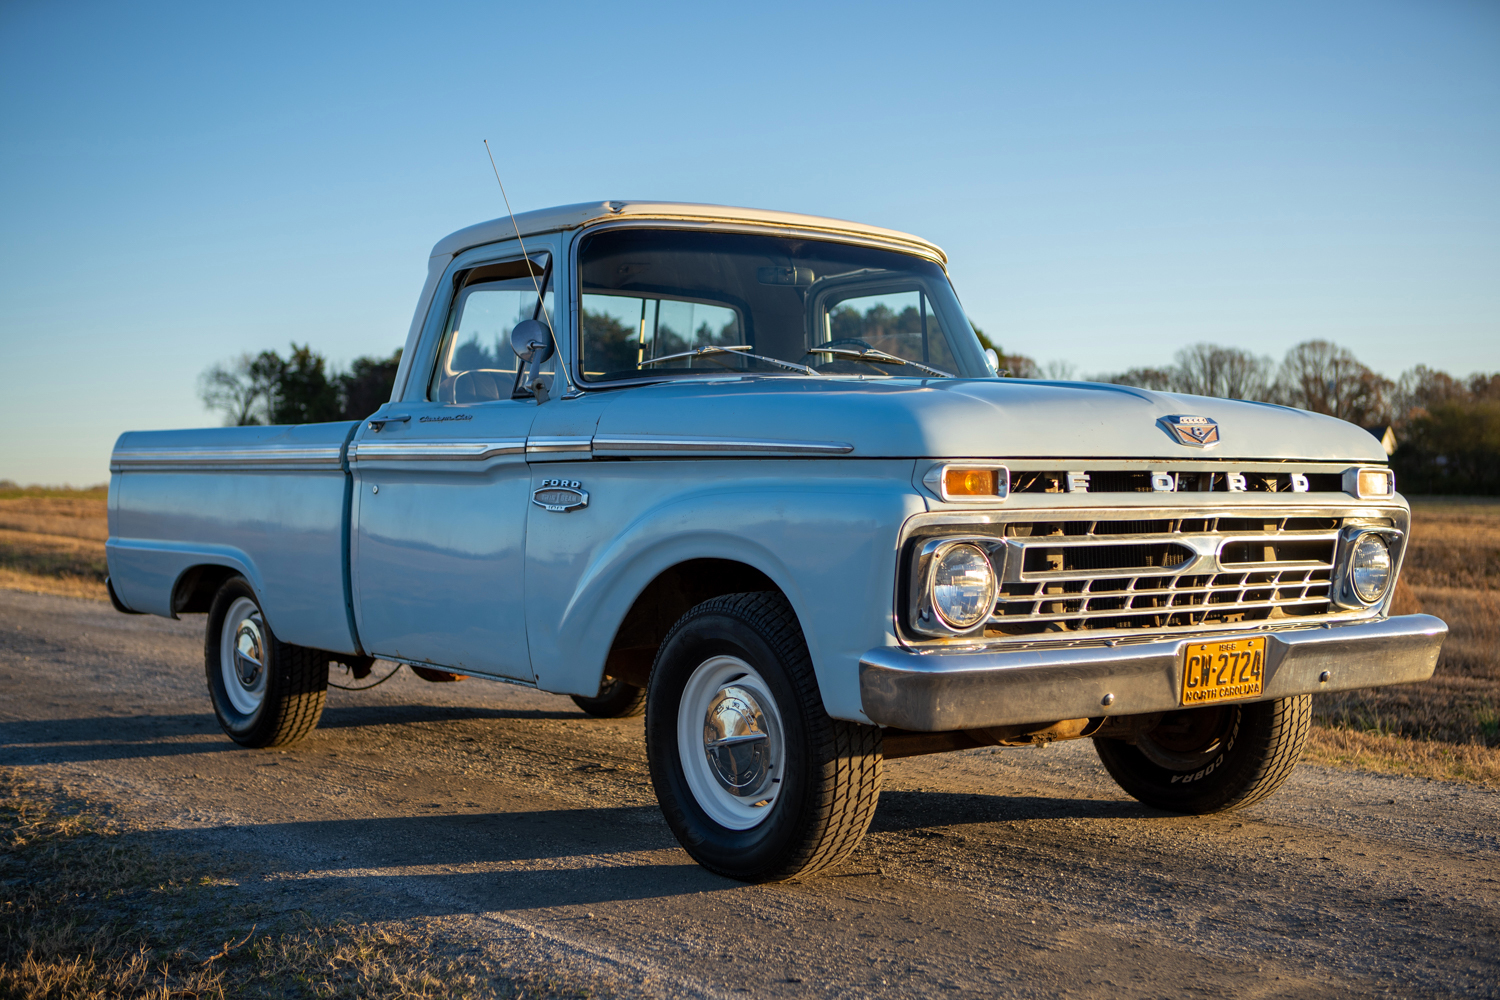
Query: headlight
x=1370, y=567
x=963, y=586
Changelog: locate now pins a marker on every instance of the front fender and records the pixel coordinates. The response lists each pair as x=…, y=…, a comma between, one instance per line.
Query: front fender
x=824, y=532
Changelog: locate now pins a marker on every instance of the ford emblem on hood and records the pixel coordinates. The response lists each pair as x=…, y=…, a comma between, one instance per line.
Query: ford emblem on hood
x=1196, y=432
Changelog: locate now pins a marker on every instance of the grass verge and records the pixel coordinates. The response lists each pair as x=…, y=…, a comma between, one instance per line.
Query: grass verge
x=1386, y=754
x=90, y=913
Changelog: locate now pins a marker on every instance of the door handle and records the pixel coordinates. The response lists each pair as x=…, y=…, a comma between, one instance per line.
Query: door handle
x=376, y=423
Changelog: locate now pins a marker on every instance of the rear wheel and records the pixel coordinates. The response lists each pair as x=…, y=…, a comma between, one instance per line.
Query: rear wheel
x=756, y=781
x=265, y=692
x=615, y=700
x=1206, y=760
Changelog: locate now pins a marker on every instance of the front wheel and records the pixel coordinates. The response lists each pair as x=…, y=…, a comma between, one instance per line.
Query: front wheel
x=756, y=781
x=266, y=692
x=1205, y=760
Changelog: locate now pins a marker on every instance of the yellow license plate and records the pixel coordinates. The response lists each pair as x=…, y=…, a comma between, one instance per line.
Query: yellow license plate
x=1220, y=671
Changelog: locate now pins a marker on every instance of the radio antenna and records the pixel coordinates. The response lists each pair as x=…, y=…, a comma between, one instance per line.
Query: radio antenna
x=517, y=226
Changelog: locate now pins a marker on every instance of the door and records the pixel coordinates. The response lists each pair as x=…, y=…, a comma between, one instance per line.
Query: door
x=442, y=491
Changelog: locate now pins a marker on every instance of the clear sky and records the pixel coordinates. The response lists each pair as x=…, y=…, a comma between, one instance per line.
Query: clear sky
x=183, y=182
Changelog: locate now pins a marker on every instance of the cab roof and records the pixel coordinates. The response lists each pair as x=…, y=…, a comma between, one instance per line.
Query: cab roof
x=549, y=220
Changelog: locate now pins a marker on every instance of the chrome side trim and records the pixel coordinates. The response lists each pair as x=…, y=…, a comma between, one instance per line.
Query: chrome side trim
x=215, y=459
x=568, y=447
x=462, y=450
x=654, y=444
x=933, y=692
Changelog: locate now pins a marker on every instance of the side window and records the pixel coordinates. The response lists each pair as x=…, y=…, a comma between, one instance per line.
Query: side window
x=475, y=362
x=623, y=332
x=899, y=323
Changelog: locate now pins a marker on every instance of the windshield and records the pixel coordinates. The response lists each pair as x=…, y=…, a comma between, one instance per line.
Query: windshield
x=659, y=303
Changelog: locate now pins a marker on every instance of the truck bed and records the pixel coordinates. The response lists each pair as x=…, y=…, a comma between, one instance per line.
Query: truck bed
x=275, y=502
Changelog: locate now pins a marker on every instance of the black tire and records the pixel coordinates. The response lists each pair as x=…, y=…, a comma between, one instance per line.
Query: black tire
x=615, y=700
x=1207, y=760
x=286, y=698
x=830, y=772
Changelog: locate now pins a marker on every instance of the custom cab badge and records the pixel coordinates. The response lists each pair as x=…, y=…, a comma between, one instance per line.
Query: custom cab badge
x=1196, y=432
x=561, y=495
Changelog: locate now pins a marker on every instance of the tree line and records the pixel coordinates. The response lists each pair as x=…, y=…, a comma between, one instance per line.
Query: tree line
x=301, y=388
x=1447, y=429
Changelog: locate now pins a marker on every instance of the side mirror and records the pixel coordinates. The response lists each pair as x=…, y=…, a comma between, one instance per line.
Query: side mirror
x=993, y=360
x=532, y=342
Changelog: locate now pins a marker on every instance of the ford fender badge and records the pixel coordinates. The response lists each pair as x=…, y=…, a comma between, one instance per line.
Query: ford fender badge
x=560, y=495
x=1195, y=432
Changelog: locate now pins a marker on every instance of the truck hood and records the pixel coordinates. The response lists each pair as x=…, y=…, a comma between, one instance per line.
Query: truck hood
x=974, y=418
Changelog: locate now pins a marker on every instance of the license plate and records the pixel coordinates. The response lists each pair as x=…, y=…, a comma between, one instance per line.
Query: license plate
x=1220, y=671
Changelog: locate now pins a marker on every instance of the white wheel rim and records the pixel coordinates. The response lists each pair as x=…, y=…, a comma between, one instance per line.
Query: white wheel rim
x=734, y=776
x=242, y=656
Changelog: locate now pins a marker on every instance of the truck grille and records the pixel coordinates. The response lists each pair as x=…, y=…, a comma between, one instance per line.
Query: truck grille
x=1079, y=576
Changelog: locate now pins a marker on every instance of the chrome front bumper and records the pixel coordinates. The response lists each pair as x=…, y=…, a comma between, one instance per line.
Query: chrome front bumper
x=936, y=691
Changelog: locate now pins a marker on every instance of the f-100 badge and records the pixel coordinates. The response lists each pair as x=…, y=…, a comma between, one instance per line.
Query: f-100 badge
x=561, y=495
x=1196, y=432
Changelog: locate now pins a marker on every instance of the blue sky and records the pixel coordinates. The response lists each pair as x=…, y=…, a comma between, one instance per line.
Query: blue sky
x=1111, y=181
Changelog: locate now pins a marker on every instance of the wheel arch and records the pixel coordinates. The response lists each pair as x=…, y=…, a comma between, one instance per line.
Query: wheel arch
x=670, y=595
x=195, y=587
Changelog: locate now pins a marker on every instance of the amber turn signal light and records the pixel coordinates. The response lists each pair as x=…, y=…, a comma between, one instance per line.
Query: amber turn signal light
x=1376, y=483
x=961, y=482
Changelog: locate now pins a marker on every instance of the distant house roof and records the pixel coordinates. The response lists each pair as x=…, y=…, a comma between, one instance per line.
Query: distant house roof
x=549, y=220
x=1386, y=435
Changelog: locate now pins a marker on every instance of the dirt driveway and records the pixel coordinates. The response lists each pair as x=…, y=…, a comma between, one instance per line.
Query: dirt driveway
x=508, y=814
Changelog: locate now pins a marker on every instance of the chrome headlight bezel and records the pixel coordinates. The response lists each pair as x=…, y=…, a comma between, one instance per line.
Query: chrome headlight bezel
x=1345, y=593
x=925, y=617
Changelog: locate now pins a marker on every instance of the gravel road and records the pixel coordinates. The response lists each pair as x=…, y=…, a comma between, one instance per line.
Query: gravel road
x=507, y=814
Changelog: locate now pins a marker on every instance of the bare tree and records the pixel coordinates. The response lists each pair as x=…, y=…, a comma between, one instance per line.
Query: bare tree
x=1321, y=376
x=1226, y=372
x=1485, y=387
x=242, y=389
x=1159, y=379
x=1060, y=371
x=1420, y=388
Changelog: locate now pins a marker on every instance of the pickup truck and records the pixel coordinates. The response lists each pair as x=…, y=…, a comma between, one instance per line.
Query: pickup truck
x=753, y=474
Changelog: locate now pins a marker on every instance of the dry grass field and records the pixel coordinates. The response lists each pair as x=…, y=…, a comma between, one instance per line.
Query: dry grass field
x=1453, y=571
x=52, y=541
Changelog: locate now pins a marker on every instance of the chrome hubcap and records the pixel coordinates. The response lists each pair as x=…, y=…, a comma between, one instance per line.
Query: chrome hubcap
x=242, y=656
x=249, y=657
x=731, y=743
x=736, y=742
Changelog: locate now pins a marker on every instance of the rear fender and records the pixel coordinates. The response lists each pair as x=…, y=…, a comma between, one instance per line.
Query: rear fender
x=154, y=577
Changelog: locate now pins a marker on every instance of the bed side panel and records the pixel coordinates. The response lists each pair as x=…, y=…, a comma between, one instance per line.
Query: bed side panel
x=265, y=501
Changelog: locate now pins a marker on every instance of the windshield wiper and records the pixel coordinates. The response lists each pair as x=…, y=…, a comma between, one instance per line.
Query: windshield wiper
x=876, y=357
x=739, y=350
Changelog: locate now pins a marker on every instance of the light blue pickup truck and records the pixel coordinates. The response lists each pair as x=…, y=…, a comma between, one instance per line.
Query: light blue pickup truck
x=753, y=474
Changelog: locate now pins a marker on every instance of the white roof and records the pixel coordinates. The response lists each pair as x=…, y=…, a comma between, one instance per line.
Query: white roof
x=548, y=220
